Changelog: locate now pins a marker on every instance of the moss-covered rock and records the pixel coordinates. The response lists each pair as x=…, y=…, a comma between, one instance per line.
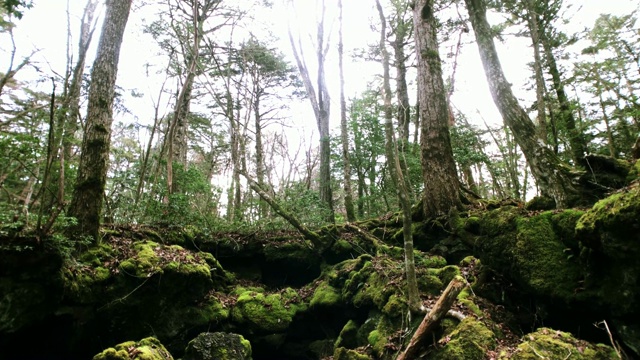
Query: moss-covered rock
x=547, y=343
x=261, y=313
x=145, y=349
x=529, y=251
x=470, y=340
x=348, y=336
x=218, y=346
x=347, y=354
x=325, y=296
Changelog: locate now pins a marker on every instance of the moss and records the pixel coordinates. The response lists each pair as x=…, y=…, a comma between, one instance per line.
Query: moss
x=270, y=313
x=466, y=298
x=540, y=203
x=470, y=340
x=447, y=273
x=346, y=354
x=551, y=344
x=218, y=346
x=145, y=349
x=610, y=237
x=564, y=225
x=326, y=296
x=430, y=283
x=144, y=262
x=634, y=173
x=348, y=335
x=395, y=307
x=377, y=341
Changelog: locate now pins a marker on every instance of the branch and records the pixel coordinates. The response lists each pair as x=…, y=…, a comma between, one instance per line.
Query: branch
x=291, y=218
x=439, y=310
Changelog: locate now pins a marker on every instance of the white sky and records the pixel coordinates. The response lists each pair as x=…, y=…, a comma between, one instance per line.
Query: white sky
x=37, y=31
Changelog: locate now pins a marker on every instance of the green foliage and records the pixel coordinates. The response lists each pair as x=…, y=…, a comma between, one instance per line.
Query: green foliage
x=15, y=7
x=467, y=144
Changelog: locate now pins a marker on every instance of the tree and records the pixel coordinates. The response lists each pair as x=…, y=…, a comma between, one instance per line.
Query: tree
x=551, y=176
x=321, y=104
x=441, y=185
x=344, y=135
x=88, y=194
x=395, y=170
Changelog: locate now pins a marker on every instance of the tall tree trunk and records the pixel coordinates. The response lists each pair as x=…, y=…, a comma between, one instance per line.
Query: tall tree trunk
x=88, y=194
x=178, y=127
x=532, y=21
x=260, y=165
x=344, y=135
x=441, y=185
x=321, y=104
x=402, y=93
x=576, y=138
x=550, y=175
x=395, y=170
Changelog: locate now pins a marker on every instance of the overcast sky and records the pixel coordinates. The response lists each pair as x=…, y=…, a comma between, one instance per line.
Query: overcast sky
x=44, y=28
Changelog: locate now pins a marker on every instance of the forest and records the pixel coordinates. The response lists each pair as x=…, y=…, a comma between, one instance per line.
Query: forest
x=255, y=179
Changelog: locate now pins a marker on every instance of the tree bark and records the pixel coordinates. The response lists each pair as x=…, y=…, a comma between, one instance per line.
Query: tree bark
x=551, y=176
x=344, y=135
x=442, y=189
x=88, y=194
x=532, y=20
x=397, y=177
x=440, y=309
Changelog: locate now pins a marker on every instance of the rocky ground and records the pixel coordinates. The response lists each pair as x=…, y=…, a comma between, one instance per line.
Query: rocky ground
x=541, y=284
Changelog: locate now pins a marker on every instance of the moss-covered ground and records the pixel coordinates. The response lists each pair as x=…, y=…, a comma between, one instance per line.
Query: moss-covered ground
x=281, y=297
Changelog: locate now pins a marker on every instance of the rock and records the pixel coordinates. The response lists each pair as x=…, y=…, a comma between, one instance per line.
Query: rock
x=218, y=346
x=552, y=344
x=146, y=349
x=470, y=340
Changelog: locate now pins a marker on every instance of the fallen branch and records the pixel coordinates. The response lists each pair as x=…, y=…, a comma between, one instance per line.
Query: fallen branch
x=291, y=218
x=438, y=311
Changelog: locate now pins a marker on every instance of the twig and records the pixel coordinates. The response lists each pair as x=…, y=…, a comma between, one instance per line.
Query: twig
x=613, y=343
x=535, y=352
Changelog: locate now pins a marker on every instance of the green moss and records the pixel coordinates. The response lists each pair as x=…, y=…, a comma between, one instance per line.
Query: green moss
x=465, y=298
x=270, y=313
x=144, y=262
x=348, y=335
x=346, y=354
x=470, y=340
x=145, y=349
x=377, y=341
x=634, y=173
x=396, y=306
x=218, y=346
x=564, y=225
x=325, y=295
x=430, y=283
x=447, y=273
x=551, y=344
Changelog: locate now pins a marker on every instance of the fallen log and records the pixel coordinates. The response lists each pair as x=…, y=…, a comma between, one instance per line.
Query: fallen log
x=438, y=311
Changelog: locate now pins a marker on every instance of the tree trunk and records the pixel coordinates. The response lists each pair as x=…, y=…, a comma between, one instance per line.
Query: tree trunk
x=321, y=104
x=442, y=189
x=550, y=175
x=344, y=135
x=532, y=20
x=576, y=138
x=179, y=126
x=397, y=177
x=88, y=194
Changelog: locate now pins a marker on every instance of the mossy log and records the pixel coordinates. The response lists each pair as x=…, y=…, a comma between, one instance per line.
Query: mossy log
x=438, y=311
